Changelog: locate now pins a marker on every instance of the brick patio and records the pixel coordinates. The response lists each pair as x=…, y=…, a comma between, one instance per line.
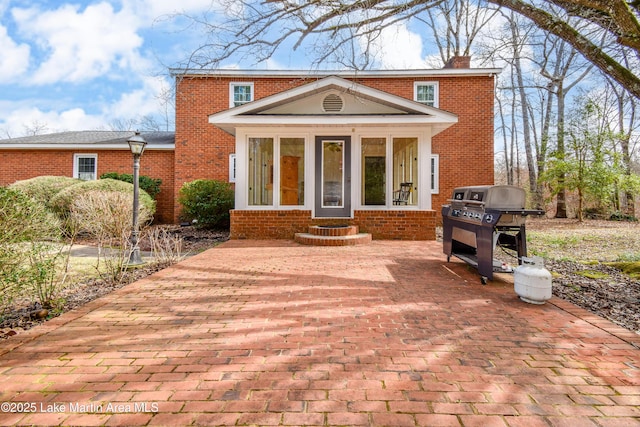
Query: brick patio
x=275, y=333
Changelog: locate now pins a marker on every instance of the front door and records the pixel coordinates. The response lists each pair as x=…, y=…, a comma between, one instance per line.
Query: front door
x=333, y=176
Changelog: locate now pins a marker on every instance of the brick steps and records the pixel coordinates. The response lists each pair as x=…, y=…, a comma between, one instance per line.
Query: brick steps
x=333, y=236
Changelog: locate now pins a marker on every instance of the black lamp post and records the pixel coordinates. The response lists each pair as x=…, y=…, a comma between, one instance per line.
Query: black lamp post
x=136, y=144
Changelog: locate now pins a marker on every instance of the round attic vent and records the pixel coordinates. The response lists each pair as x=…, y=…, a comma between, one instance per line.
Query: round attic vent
x=332, y=103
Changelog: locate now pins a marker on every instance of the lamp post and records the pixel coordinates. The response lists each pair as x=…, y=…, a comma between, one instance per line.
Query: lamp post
x=136, y=144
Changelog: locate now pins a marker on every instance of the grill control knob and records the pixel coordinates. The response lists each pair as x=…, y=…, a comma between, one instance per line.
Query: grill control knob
x=489, y=218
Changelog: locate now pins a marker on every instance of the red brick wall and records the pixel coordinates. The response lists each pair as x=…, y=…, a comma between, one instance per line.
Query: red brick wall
x=17, y=165
x=382, y=225
x=465, y=149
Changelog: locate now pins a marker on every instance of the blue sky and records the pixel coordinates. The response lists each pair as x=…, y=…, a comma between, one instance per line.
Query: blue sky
x=89, y=64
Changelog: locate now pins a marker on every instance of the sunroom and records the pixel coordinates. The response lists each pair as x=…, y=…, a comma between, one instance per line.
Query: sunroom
x=334, y=152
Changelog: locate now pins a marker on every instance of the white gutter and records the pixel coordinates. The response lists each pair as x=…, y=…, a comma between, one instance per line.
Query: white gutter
x=441, y=72
x=163, y=147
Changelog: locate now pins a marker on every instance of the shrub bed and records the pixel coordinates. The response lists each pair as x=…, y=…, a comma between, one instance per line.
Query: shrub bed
x=207, y=202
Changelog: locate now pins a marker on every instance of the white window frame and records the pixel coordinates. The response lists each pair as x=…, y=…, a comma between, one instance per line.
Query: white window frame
x=436, y=93
x=232, y=85
x=435, y=173
x=76, y=166
x=232, y=167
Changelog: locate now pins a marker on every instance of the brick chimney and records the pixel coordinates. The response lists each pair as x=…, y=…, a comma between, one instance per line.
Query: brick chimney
x=458, y=62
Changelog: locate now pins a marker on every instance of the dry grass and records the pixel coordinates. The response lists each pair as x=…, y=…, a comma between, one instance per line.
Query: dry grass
x=587, y=241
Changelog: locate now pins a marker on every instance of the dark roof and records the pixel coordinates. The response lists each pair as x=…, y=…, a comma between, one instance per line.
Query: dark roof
x=91, y=137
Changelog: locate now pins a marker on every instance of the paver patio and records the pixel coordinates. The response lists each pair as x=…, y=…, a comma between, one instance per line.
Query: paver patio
x=274, y=333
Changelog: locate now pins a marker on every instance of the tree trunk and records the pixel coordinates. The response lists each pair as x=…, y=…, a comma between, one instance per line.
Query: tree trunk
x=533, y=180
x=561, y=200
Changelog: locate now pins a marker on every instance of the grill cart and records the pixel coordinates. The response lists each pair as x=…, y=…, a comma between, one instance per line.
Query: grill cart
x=480, y=218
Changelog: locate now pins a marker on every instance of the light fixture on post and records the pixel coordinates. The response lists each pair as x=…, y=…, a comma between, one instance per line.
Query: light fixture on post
x=137, y=145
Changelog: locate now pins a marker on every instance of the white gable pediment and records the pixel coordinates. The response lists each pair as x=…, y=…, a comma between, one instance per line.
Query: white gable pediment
x=332, y=101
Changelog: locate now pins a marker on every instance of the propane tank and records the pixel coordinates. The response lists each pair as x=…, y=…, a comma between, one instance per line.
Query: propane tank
x=531, y=281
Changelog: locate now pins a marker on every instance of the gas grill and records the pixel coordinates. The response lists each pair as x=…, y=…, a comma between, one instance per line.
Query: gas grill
x=478, y=219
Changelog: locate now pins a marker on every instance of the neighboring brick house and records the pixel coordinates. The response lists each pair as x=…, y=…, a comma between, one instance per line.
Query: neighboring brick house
x=87, y=155
x=325, y=148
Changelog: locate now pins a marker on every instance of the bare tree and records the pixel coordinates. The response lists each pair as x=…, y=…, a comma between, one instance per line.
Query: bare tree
x=625, y=122
x=615, y=19
x=560, y=63
x=455, y=25
x=35, y=128
x=526, y=125
x=5, y=133
x=143, y=123
x=259, y=29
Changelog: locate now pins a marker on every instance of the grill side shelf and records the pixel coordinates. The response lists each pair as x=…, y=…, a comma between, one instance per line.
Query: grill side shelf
x=523, y=212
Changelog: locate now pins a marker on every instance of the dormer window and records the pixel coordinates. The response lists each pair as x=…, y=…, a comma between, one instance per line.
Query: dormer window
x=240, y=93
x=426, y=93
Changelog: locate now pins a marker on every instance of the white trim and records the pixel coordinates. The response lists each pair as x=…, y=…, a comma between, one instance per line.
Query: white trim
x=232, y=85
x=424, y=73
x=436, y=92
x=123, y=147
x=77, y=157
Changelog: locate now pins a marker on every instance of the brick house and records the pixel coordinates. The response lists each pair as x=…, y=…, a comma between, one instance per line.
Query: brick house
x=378, y=149
x=87, y=155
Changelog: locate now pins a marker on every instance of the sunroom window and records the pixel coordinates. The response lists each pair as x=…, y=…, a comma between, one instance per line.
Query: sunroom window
x=270, y=158
x=291, y=171
x=405, y=169
x=374, y=170
x=261, y=171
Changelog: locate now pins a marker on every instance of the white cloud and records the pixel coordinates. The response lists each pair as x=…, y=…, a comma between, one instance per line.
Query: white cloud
x=398, y=48
x=140, y=102
x=15, y=57
x=19, y=120
x=80, y=45
x=155, y=8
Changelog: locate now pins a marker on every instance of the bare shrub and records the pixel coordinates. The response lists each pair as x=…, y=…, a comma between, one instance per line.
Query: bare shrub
x=107, y=217
x=48, y=271
x=166, y=247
